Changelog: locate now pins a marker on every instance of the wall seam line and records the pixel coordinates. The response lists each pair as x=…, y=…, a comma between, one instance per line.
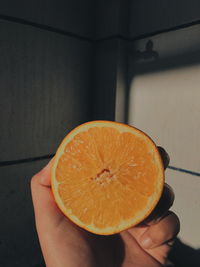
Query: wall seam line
x=26, y=160
x=89, y=39
x=44, y=27
x=184, y=170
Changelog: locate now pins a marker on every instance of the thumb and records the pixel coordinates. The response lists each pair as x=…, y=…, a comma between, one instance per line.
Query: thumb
x=46, y=211
x=44, y=176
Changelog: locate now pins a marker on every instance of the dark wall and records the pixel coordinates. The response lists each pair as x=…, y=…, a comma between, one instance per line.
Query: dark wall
x=45, y=87
x=134, y=18
x=146, y=17
x=19, y=245
x=65, y=15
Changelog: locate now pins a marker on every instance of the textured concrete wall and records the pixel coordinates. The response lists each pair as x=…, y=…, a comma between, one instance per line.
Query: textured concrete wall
x=146, y=17
x=44, y=89
x=164, y=73
x=69, y=16
x=44, y=92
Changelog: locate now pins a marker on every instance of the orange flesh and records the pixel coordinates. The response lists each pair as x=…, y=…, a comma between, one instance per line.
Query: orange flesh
x=106, y=176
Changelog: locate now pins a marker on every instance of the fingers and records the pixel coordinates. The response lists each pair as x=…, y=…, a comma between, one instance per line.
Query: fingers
x=165, y=157
x=135, y=255
x=157, y=239
x=165, y=230
x=164, y=204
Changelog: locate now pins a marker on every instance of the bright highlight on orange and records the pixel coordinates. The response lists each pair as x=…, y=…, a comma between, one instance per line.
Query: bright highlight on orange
x=107, y=176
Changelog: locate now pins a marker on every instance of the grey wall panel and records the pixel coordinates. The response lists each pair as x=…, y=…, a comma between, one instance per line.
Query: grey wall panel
x=111, y=18
x=121, y=104
x=151, y=16
x=73, y=16
x=105, y=79
x=107, y=18
x=44, y=89
x=19, y=244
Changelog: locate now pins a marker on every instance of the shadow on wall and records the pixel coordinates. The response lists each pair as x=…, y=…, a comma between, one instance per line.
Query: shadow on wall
x=146, y=59
x=146, y=55
x=149, y=59
x=183, y=255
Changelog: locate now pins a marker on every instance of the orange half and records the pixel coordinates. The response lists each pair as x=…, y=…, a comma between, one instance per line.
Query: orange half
x=107, y=176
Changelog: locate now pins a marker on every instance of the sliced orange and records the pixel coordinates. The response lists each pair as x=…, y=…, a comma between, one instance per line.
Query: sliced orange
x=107, y=176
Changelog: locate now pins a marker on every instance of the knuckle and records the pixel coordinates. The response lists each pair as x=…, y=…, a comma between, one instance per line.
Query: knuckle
x=34, y=181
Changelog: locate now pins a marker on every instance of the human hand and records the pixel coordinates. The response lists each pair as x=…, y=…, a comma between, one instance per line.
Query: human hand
x=65, y=244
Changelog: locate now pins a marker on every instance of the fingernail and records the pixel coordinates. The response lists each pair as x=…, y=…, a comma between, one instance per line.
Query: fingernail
x=146, y=243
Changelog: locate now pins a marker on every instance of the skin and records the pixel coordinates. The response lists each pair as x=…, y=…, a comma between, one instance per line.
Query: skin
x=65, y=244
